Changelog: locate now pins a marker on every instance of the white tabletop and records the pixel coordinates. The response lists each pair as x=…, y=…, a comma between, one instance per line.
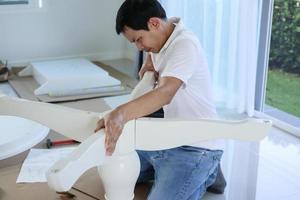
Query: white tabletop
x=18, y=134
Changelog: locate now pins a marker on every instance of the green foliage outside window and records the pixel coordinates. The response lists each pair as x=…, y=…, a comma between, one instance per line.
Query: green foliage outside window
x=285, y=40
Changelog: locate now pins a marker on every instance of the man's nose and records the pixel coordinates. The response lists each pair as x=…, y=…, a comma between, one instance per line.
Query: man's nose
x=139, y=46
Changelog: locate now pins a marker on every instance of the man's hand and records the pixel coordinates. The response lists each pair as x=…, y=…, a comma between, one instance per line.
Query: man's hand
x=113, y=123
x=145, y=68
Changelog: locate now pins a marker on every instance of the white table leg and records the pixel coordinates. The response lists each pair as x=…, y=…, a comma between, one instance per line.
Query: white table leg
x=119, y=175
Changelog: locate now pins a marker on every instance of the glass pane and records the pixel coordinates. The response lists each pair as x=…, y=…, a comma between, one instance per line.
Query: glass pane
x=283, y=86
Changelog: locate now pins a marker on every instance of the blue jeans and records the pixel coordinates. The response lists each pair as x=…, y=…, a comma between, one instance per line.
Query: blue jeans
x=181, y=173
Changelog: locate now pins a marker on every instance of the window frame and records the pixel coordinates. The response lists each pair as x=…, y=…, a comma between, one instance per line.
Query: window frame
x=263, y=53
x=32, y=5
x=262, y=69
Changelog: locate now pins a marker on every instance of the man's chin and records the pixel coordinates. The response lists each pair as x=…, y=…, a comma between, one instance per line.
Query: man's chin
x=151, y=50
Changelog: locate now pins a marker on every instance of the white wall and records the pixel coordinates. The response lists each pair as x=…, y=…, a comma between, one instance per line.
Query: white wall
x=62, y=28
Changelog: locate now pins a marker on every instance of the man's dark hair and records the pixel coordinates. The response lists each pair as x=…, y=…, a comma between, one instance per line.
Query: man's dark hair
x=136, y=14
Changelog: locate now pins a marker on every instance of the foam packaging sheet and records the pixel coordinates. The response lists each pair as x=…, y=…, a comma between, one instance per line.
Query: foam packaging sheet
x=62, y=76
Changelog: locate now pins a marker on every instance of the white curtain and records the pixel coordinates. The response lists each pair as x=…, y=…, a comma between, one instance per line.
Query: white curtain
x=228, y=32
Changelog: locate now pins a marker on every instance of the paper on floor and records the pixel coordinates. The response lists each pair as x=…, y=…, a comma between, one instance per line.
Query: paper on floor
x=38, y=162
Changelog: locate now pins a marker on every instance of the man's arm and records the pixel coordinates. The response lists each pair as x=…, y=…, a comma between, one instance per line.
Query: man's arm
x=152, y=100
x=144, y=105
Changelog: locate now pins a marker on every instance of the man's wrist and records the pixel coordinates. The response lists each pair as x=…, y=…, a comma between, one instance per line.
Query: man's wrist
x=121, y=110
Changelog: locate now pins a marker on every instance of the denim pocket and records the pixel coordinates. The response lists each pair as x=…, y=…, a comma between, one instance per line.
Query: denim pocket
x=157, y=155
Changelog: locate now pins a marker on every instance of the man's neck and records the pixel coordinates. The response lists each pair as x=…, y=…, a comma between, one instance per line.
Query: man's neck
x=168, y=29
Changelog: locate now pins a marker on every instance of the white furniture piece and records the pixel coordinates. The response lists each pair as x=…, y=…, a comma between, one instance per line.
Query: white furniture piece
x=18, y=134
x=120, y=171
x=70, y=77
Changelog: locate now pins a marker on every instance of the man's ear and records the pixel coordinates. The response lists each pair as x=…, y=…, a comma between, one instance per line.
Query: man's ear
x=154, y=23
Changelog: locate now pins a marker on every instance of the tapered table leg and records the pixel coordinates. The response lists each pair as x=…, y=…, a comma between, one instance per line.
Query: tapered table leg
x=119, y=175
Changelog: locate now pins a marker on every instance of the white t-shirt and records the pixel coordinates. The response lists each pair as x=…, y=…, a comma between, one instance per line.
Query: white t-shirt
x=182, y=57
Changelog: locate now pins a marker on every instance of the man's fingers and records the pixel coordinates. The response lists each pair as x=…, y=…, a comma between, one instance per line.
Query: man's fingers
x=100, y=125
x=141, y=74
x=110, y=149
x=113, y=125
x=111, y=138
x=110, y=144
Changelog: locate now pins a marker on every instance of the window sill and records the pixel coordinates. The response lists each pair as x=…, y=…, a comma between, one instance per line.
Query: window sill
x=278, y=123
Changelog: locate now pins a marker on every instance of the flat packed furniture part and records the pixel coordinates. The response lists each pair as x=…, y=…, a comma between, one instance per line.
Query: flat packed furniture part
x=120, y=171
x=69, y=77
x=26, y=85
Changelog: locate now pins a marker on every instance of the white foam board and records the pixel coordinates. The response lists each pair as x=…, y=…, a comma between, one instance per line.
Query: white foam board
x=61, y=76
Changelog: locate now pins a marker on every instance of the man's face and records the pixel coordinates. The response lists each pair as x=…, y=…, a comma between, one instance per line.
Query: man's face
x=149, y=41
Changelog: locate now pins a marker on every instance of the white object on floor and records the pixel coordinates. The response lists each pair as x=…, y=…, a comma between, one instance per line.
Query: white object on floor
x=38, y=163
x=62, y=76
x=18, y=134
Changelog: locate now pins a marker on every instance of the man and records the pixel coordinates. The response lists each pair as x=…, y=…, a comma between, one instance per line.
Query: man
x=184, y=92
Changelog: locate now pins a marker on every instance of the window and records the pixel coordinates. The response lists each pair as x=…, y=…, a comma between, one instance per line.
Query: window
x=283, y=94
x=13, y=2
x=277, y=88
x=16, y=6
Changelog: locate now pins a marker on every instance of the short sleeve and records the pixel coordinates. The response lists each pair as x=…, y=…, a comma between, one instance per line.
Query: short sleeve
x=182, y=59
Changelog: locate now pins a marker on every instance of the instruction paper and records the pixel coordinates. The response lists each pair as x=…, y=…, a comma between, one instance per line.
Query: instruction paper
x=38, y=162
